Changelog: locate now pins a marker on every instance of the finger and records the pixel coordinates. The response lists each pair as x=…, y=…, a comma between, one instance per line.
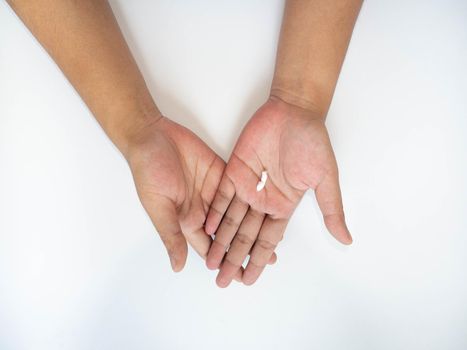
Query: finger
x=273, y=259
x=221, y=202
x=211, y=182
x=270, y=235
x=164, y=216
x=200, y=242
x=328, y=195
x=239, y=274
x=226, y=231
x=240, y=247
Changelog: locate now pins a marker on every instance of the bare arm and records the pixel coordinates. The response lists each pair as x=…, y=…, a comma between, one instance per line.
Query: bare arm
x=175, y=173
x=314, y=39
x=85, y=41
x=287, y=138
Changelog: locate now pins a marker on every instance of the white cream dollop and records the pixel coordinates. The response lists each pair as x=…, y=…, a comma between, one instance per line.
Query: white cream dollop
x=262, y=182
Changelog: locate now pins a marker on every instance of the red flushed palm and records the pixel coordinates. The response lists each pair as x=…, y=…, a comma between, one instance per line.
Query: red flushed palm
x=293, y=146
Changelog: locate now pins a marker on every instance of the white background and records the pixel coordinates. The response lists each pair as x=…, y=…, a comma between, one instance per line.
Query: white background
x=81, y=267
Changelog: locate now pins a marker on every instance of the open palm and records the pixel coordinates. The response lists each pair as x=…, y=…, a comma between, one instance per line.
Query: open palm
x=176, y=177
x=293, y=146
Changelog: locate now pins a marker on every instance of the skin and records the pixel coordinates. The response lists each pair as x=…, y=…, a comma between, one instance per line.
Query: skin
x=176, y=174
x=287, y=137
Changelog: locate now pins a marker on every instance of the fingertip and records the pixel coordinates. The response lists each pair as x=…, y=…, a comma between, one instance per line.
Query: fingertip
x=215, y=256
x=250, y=276
x=348, y=240
x=272, y=259
x=248, y=281
x=343, y=238
x=209, y=229
x=178, y=253
x=177, y=269
x=212, y=223
x=211, y=264
x=336, y=225
x=177, y=263
x=222, y=282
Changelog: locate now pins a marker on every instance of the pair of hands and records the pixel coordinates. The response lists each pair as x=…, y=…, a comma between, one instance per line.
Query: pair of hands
x=190, y=194
x=187, y=190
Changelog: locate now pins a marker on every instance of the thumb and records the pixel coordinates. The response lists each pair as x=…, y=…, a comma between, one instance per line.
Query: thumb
x=164, y=216
x=328, y=195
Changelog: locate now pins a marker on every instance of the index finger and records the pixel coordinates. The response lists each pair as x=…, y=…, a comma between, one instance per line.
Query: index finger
x=269, y=236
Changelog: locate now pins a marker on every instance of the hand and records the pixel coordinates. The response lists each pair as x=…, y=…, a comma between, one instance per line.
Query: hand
x=176, y=176
x=293, y=146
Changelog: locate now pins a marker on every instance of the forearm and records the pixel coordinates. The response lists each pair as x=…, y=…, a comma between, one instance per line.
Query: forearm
x=314, y=39
x=85, y=41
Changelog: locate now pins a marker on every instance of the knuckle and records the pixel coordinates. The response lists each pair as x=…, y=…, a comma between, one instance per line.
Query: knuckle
x=223, y=194
x=229, y=259
x=266, y=245
x=172, y=241
x=221, y=243
x=335, y=218
x=256, y=263
x=243, y=239
x=216, y=211
x=255, y=214
x=229, y=221
x=240, y=200
x=168, y=237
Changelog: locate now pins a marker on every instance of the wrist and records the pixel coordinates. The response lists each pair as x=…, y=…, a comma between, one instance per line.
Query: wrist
x=312, y=100
x=136, y=136
x=296, y=105
x=129, y=123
